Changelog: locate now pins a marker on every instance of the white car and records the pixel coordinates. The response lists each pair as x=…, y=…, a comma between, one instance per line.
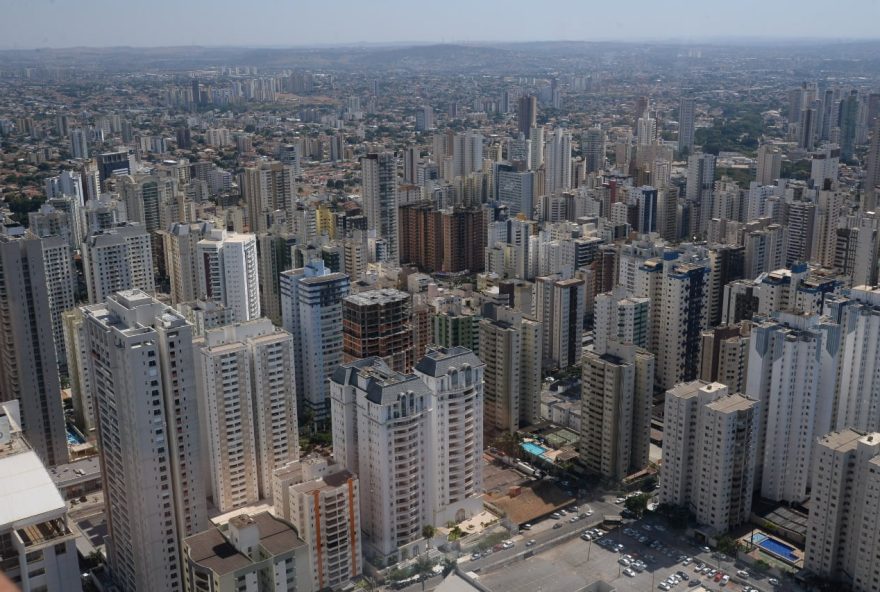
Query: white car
x=773, y=582
x=629, y=572
x=664, y=586
x=742, y=573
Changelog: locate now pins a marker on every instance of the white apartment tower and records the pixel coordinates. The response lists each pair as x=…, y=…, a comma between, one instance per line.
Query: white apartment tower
x=617, y=385
x=311, y=310
x=248, y=404
x=792, y=371
x=557, y=167
x=118, y=258
x=857, y=404
x=390, y=428
x=709, y=449
x=843, y=528
x=144, y=385
x=455, y=378
x=229, y=274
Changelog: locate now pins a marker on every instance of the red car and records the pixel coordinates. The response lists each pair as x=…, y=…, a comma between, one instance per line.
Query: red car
x=718, y=576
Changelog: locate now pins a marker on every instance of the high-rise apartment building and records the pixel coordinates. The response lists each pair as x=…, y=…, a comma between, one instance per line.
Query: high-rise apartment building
x=143, y=380
x=266, y=189
x=617, y=385
x=35, y=288
x=228, y=272
x=769, y=164
x=311, y=305
x=594, y=150
x=118, y=258
x=557, y=172
x=683, y=316
x=700, y=184
x=792, y=371
x=686, y=115
x=858, y=391
x=515, y=189
x=511, y=346
x=322, y=501
x=709, y=450
x=414, y=442
x=245, y=377
x=181, y=258
x=871, y=184
x=843, y=527
x=379, y=195
x=724, y=355
x=79, y=143
x=378, y=323
x=620, y=315
x=559, y=307
x=527, y=114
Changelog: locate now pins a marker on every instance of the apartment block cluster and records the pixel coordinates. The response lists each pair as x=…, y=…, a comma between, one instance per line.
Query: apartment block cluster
x=208, y=325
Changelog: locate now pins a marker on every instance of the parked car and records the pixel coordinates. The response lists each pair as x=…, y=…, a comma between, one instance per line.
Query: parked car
x=531, y=543
x=527, y=526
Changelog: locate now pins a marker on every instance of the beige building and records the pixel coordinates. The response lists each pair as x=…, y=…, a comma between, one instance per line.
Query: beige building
x=843, y=528
x=616, y=392
x=709, y=451
x=511, y=347
x=181, y=262
x=322, y=502
x=256, y=553
x=248, y=403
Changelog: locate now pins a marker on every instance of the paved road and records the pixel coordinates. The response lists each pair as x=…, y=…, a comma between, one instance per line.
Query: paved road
x=542, y=533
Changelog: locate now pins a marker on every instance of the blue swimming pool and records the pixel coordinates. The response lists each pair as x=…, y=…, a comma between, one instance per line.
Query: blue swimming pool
x=533, y=448
x=74, y=437
x=774, y=547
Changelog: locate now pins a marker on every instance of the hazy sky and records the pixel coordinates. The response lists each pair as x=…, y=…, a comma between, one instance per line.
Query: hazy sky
x=66, y=23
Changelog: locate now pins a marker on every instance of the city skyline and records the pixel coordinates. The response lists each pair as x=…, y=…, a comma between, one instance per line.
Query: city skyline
x=51, y=24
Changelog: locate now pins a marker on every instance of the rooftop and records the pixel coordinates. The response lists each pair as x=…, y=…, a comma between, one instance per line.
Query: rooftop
x=27, y=493
x=381, y=296
x=211, y=549
x=438, y=361
x=734, y=402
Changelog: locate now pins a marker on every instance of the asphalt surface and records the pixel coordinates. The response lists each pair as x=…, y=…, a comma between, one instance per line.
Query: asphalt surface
x=572, y=565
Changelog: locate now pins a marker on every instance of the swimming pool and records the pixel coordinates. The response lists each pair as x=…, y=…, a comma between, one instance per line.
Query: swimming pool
x=533, y=448
x=74, y=437
x=774, y=547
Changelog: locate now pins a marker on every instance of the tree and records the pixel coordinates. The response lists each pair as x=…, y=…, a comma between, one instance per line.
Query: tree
x=729, y=546
x=637, y=504
x=428, y=531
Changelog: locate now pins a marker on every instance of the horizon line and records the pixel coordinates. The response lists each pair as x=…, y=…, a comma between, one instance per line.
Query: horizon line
x=715, y=41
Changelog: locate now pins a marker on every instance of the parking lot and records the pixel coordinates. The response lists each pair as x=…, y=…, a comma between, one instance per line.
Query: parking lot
x=573, y=565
